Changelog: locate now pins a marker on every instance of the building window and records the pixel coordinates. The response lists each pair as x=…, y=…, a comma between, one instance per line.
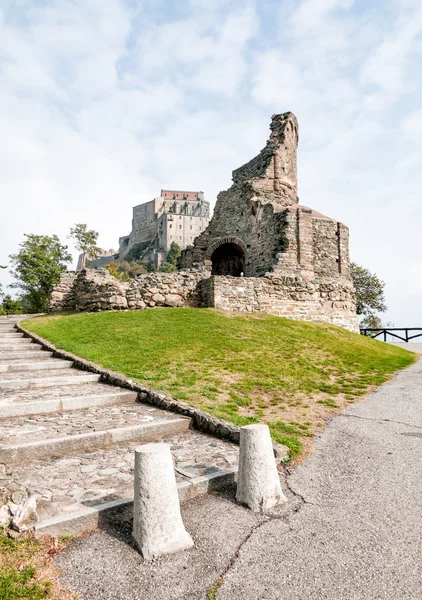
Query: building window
x=180, y=237
x=180, y=227
x=171, y=226
x=191, y=226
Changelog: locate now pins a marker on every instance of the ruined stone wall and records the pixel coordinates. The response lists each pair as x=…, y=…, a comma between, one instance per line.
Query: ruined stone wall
x=331, y=301
x=165, y=289
x=63, y=295
x=253, y=226
x=326, y=247
x=272, y=175
x=251, y=209
x=95, y=290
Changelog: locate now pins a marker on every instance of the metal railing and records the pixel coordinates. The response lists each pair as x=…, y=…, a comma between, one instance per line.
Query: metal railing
x=384, y=331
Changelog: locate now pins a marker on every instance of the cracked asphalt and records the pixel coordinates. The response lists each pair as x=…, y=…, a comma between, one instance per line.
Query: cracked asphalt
x=352, y=528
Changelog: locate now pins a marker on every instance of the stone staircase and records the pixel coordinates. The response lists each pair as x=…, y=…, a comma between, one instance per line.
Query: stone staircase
x=69, y=440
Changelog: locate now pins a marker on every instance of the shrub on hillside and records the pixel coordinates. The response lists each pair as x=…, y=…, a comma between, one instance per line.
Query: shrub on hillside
x=9, y=306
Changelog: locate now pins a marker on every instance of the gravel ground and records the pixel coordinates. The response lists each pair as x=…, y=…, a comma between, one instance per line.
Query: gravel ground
x=352, y=529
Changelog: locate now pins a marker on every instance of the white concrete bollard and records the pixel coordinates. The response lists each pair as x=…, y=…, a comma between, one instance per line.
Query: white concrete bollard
x=258, y=485
x=157, y=523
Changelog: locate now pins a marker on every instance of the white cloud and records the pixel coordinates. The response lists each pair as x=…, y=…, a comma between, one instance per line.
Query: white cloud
x=102, y=104
x=412, y=124
x=387, y=65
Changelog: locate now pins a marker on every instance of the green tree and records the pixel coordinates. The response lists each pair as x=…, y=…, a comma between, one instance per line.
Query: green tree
x=85, y=241
x=369, y=291
x=9, y=306
x=172, y=258
x=37, y=267
x=114, y=270
x=173, y=254
x=167, y=267
x=371, y=322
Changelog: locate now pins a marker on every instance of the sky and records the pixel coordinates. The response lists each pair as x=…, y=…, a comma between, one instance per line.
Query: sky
x=102, y=104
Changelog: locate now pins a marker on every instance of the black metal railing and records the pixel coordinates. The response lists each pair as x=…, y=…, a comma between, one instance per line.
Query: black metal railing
x=384, y=331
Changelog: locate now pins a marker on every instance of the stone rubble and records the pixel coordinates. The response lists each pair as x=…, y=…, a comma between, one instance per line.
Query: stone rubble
x=94, y=290
x=18, y=508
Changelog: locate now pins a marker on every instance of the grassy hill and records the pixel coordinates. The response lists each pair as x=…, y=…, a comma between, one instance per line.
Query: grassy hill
x=247, y=368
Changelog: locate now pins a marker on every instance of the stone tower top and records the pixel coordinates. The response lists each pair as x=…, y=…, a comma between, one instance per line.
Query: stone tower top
x=273, y=173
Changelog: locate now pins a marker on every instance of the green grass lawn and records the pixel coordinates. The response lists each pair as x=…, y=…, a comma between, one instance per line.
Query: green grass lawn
x=289, y=374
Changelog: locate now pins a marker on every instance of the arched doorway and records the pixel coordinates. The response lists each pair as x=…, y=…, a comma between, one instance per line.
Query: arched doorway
x=228, y=259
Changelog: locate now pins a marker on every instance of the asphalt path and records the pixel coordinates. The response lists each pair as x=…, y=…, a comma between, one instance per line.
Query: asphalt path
x=352, y=529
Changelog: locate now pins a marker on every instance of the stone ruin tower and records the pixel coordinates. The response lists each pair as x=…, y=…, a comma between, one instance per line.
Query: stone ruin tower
x=294, y=260
x=262, y=251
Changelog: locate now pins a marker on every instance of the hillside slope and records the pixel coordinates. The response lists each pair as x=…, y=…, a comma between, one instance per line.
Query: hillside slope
x=243, y=368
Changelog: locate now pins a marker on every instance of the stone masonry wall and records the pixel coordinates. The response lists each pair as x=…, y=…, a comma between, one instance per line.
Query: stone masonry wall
x=95, y=290
x=63, y=294
x=330, y=301
x=249, y=213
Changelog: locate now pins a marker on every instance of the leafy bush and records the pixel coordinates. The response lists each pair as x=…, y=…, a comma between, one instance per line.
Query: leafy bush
x=37, y=268
x=125, y=271
x=10, y=306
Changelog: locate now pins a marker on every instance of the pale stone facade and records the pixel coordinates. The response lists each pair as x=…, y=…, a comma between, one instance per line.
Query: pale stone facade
x=175, y=216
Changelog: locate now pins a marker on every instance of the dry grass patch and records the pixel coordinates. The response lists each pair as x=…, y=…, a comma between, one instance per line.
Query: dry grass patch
x=27, y=569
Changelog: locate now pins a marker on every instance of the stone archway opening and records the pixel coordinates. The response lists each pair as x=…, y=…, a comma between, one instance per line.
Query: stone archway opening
x=228, y=259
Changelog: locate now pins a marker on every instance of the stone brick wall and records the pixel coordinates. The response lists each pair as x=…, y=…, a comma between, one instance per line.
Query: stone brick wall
x=165, y=289
x=95, y=290
x=332, y=301
x=295, y=260
x=251, y=210
x=63, y=295
x=261, y=213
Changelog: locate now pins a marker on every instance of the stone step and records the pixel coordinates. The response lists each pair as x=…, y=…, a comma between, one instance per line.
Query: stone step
x=35, y=365
x=57, y=392
x=14, y=341
x=5, y=348
x=58, y=425
x=6, y=376
x=47, y=381
x=25, y=452
x=19, y=405
x=7, y=329
x=22, y=354
x=9, y=335
x=77, y=492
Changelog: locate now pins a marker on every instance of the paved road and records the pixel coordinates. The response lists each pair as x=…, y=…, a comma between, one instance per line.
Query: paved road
x=352, y=531
x=358, y=535
x=412, y=346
